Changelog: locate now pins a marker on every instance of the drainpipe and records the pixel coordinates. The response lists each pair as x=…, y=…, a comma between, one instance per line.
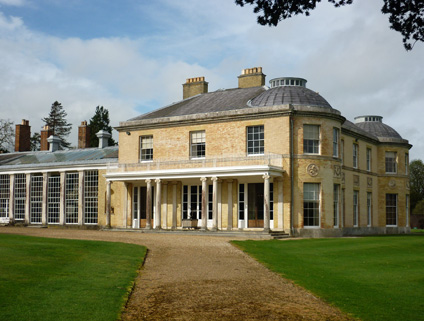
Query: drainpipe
x=291, y=174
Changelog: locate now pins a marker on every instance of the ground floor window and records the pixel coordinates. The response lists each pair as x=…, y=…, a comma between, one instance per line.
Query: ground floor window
x=71, y=198
x=369, y=208
x=91, y=190
x=53, y=199
x=20, y=196
x=391, y=209
x=210, y=202
x=4, y=195
x=139, y=206
x=355, y=207
x=311, y=204
x=407, y=210
x=36, y=199
x=192, y=202
x=336, y=206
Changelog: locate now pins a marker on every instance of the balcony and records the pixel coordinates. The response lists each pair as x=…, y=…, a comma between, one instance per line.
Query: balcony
x=216, y=164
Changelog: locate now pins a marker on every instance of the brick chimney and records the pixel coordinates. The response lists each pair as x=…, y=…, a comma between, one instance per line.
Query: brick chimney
x=46, y=132
x=83, y=135
x=194, y=86
x=251, y=77
x=23, y=136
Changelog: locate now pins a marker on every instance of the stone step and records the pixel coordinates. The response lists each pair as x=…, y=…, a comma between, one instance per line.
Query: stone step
x=277, y=235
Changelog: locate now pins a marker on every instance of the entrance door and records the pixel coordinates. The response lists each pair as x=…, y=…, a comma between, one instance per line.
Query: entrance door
x=139, y=207
x=256, y=204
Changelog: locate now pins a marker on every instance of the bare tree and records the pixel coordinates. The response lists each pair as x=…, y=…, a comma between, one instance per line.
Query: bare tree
x=7, y=135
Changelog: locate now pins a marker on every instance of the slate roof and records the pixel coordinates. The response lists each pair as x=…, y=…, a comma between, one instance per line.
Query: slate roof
x=295, y=95
x=221, y=100
x=63, y=157
x=352, y=127
x=379, y=129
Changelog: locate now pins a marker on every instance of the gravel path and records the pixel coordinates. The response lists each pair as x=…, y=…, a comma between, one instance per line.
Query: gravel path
x=187, y=277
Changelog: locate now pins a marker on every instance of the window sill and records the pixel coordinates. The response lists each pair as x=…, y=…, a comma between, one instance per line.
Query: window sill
x=311, y=227
x=197, y=158
x=249, y=155
x=146, y=161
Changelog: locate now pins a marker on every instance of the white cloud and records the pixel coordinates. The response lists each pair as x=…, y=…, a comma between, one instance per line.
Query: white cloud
x=17, y=3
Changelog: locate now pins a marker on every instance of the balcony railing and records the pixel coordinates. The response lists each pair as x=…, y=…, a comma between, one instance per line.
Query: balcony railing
x=275, y=160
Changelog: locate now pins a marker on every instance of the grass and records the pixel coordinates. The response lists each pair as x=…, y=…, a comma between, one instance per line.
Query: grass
x=373, y=278
x=417, y=231
x=56, y=279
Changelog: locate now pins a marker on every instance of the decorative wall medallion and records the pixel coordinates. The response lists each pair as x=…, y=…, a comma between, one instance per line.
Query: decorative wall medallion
x=356, y=180
x=369, y=181
x=343, y=178
x=392, y=183
x=407, y=185
x=337, y=170
x=312, y=170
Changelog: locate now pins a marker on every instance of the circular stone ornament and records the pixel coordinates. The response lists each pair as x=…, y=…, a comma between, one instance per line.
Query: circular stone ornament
x=312, y=170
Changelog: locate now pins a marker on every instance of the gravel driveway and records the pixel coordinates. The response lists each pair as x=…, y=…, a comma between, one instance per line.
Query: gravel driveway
x=190, y=277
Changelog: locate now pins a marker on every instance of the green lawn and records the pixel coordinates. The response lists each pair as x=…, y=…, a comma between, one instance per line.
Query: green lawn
x=373, y=278
x=55, y=279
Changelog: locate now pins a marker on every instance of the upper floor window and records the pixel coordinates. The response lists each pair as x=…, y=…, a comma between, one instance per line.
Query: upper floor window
x=342, y=151
x=406, y=163
x=311, y=139
x=355, y=154
x=336, y=134
x=369, y=159
x=391, y=166
x=197, y=144
x=146, y=148
x=255, y=140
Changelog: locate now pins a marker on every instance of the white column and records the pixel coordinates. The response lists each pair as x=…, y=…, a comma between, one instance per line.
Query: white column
x=108, y=203
x=230, y=205
x=12, y=197
x=204, y=203
x=44, y=204
x=158, y=204
x=219, y=204
x=214, y=203
x=125, y=213
x=280, y=203
x=27, y=197
x=80, y=197
x=149, y=204
x=165, y=199
x=62, y=198
x=266, y=178
x=174, y=205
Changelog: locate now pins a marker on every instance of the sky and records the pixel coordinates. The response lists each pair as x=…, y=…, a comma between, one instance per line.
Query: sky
x=132, y=56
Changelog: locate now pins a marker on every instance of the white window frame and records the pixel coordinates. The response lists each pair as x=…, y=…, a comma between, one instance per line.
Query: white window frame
x=4, y=195
x=369, y=209
x=255, y=140
x=336, y=205
x=369, y=159
x=336, y=137
x=198, y=144
x=53, y=199
x=20, y=197
x=355, y=208
x=315, y=200
x=390, y=162
x=36, y=199
x=91, y=197
x=355, y=155
x=146, y=148
x=391, y=206
x=71, y=197
x=311, y=143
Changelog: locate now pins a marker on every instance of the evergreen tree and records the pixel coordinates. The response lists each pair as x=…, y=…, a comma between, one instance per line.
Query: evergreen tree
x=100, y=121
x=58, y=124
x=35, y=141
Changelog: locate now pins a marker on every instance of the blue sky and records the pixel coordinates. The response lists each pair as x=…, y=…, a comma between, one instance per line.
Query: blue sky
x=132, y=57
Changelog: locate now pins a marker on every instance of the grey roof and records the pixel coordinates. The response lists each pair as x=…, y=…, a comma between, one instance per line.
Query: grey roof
x=379, y=129
x=63, y=157
x=295, y=95
x=352, y=127
x=221, y=100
